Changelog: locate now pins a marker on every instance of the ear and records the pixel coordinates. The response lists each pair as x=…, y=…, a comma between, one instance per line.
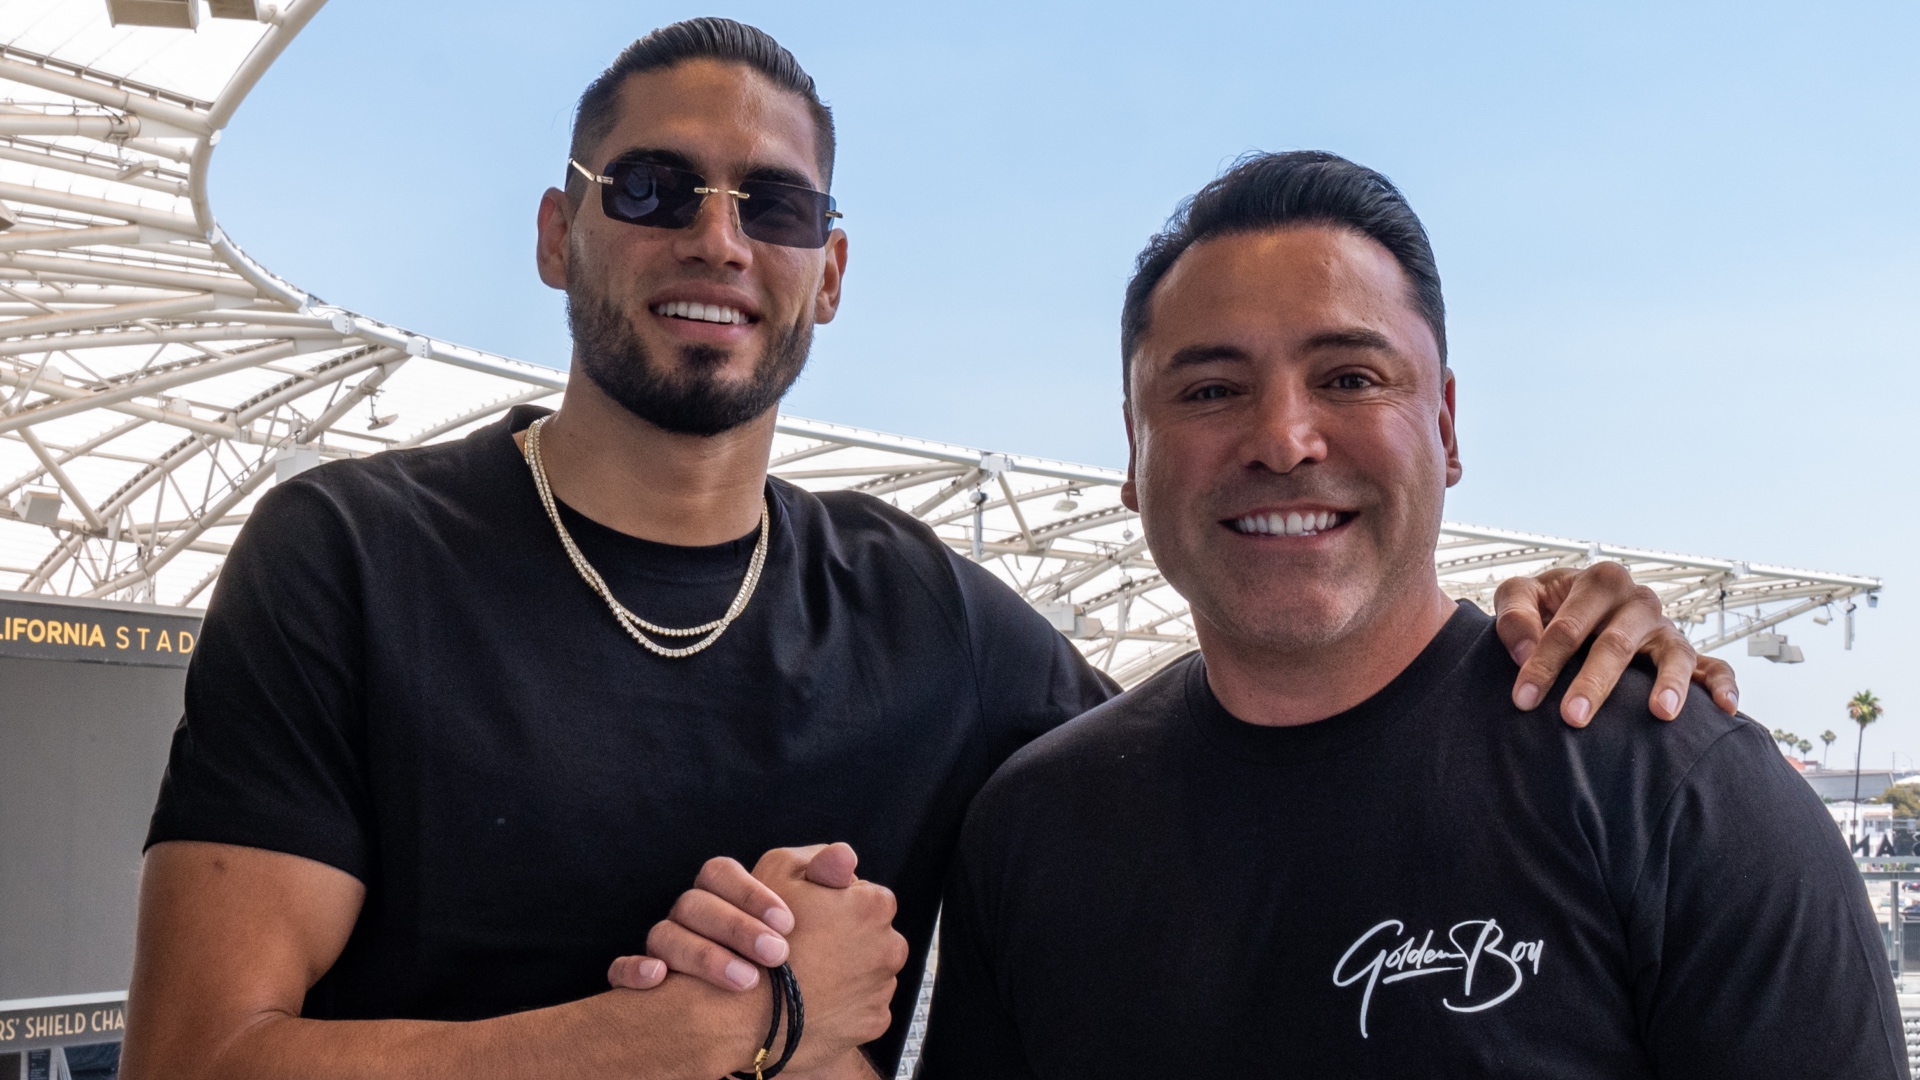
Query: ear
x=1448, y=436
x=826, y=302
x=1129, y=490
x=555, y=229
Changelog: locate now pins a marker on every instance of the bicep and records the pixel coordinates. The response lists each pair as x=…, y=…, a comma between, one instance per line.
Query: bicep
x=228, y=935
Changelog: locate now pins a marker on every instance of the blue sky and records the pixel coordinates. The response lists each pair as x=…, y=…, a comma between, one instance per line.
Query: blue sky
x=1680, y=242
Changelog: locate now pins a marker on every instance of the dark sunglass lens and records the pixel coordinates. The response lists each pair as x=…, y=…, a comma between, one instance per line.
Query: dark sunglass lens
x=635, y=193
x=784, y=214
x=655, y=195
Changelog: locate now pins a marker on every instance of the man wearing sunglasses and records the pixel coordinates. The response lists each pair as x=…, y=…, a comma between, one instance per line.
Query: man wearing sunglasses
x=467, y=720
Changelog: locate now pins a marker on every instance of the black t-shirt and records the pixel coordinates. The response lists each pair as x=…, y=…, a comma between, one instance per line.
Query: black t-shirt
x=401, y=675
x=1430, y=884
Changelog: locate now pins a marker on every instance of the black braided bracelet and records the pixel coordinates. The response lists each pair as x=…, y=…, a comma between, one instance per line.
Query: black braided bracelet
x=786, y=998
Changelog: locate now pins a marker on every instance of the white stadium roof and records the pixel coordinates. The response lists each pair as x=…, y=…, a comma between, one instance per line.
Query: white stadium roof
x=154, y=380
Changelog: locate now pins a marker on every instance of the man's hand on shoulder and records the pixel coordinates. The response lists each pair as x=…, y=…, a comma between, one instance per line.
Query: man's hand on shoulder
x=1544, y=620
x=802, y=906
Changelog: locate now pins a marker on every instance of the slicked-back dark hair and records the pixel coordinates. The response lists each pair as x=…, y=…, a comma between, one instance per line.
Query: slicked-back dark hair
x=1274, y=191
x=695, y=39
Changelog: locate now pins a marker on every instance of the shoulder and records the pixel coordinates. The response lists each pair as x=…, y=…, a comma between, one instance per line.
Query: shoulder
x=1101, y=749
x=1625, y=729
x=855, y=517
x=372, y=496
x=882, y=541
x=441, y=471
x=860, y=538
x=1626, y=759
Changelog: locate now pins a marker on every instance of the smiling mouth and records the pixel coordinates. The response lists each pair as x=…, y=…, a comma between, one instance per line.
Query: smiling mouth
x=708, y=313
x=1291, y=523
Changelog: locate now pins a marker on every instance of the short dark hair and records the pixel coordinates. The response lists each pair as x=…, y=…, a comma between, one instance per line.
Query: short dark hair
x=695, y=39
x=1272, y=191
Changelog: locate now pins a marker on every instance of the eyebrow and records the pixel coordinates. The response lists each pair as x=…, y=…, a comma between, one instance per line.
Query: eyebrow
x=1195, y=355
x=673, y=159
x=1357, y=337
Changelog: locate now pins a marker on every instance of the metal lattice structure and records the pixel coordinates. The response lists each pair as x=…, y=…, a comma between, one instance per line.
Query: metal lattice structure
x=154, y=380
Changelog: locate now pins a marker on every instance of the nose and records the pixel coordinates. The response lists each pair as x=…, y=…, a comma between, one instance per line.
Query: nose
x=1285, y=432
x=715, y=237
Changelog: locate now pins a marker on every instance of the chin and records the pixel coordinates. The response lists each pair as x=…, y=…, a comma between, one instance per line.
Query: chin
x=1284, y=619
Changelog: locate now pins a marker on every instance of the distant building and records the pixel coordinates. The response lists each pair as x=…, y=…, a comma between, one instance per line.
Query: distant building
x=1836, y=785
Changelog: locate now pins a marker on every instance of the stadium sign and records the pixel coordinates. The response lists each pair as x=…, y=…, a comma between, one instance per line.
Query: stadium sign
x=33, y=630
x=58, y=1038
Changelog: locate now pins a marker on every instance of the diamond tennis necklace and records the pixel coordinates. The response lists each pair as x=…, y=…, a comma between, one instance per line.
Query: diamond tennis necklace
x=635, y=626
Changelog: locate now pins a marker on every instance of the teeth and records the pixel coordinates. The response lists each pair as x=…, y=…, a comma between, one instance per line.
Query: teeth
x=713, y=313
x=1292, y=523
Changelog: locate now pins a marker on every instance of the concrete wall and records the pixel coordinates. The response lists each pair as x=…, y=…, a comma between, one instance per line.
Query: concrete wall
x=82, y=748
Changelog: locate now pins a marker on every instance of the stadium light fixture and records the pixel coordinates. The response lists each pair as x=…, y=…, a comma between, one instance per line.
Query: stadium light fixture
x=39, y=506
x=177, y=14
x=1774, y=647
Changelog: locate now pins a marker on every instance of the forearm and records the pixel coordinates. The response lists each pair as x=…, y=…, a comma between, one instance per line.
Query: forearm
x=681, y=1029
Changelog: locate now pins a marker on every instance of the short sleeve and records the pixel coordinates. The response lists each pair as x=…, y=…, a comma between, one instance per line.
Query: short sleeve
x=270, y=751
x=1752, y=946
x=1031, y=679
x=971, y=1033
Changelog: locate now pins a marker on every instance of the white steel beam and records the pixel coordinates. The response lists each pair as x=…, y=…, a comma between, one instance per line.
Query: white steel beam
x=118, y=288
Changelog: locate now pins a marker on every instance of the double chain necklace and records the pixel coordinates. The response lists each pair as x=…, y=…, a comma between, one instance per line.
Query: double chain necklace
x=635, y=626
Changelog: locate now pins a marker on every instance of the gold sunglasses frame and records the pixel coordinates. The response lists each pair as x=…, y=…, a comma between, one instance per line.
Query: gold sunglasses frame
x=702, y=191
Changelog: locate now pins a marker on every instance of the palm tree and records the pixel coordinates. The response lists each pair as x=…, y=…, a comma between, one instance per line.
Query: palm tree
x=1826, y=737
x=1863, y=709
x=1806, y=747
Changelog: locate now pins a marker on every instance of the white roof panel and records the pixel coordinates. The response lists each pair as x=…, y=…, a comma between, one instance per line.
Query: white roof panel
x=152, y=377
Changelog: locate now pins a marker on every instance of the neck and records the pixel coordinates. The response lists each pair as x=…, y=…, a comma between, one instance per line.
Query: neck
x=639, y=479
x=1288, y=687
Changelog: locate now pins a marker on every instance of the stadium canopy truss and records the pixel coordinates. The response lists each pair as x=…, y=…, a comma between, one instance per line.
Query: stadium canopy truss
x=154, y=380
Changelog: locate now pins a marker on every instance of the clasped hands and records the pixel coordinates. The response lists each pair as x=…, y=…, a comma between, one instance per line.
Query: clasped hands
x=806, y=907
x=801, y=906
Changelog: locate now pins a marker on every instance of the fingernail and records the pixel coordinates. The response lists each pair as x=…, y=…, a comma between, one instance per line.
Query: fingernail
x=1670, y=702
x=651, y=969
x=780, y=919
x=771, y=950
x=1528, y=697
x=1522, y=651
x=741, y=974
x=1577, y=710
x=1733, y=698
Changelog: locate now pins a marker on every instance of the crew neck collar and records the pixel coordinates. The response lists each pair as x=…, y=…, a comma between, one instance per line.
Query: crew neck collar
x=1379, y=714
x=697, y=561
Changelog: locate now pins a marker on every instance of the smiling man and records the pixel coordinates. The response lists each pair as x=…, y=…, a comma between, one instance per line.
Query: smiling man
x=1326, y=845
x=467, y=721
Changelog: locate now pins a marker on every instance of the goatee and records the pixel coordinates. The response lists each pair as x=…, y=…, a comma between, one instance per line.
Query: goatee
x=694, y=403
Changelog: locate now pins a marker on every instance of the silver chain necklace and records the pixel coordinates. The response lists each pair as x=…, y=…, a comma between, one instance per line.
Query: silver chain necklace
x=633, y=624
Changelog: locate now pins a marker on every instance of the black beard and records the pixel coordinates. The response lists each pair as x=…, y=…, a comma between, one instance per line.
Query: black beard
x=613, y=356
